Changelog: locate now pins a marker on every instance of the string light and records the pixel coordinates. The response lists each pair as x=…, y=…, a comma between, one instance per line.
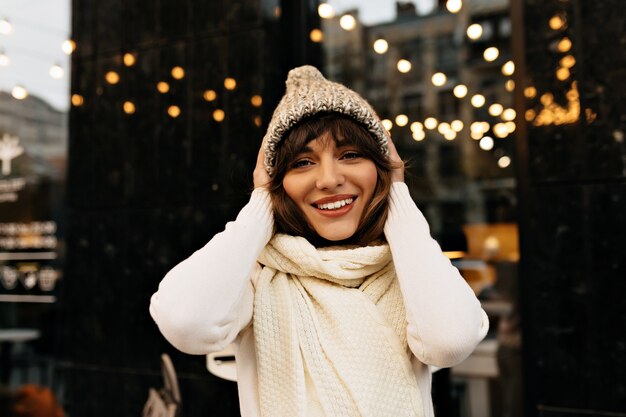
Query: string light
x=163, y=87
x=556, y=22
x=478, y=100
x=454, y=6
x=486, y=143
x=316, y=35
x=415, y=126
x=19, y=92
x=419, y=135
x=56, y=71
x=387, y=124
x=230, y=83
x=508, y=114
x=178, y=73
x=325, y=11
x=257, y=121
x=457, y=125
x=474, y=31
x=112, y=77
x=256, y=101
x=530, y=92
x=491, y=54
x=77, y=100
x=496, y=109
x=508, y=69
x=219, y=115
x=430, y=123
x=4, y=59
x=347, y=22
x=564, y=45
x=129, y=107
x=6, y=28
x=504, y=161
x=562, y=74
x=450, y=135
x=380, y=46
x=404, y=66
x=509, y=85
x=173, y=111
x=68, y=46
x=439, y=79
x=568, y=61
x=500, y=130
x=460, y=91
x=402, y=120
x=443, y=128
x=209, y=95
x=129, y=59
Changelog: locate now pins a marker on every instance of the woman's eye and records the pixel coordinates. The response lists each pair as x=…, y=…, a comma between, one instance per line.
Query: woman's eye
x=351, y=155
x=301, y=163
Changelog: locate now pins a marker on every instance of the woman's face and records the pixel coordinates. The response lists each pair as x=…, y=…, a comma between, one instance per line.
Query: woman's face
x=332, y=185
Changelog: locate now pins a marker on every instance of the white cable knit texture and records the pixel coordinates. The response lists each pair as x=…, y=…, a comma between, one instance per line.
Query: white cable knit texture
x=337, y=315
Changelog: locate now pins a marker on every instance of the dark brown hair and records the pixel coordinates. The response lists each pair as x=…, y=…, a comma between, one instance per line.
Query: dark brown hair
x=342, y=129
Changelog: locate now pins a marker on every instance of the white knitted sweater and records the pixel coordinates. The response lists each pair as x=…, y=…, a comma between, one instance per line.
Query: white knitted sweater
x=206, y=302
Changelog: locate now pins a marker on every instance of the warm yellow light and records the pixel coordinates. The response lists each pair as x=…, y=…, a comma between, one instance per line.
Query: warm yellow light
x=508, y=68
x=112, y=77
x=443, y=128
x=256, y=101
x=178, y=73
x=508, y=115
x=556, y=22
x=477, y=127
x=568, y=61
x=491, y=54
x=564, y=45
x=6, y=28
x=474, y=31
x=325, y=11
x=209, y=95
x=510, y=126
x=478, y=100
x=546, y=99
x=404, y=66
x=572, y=95
x=380, y=46
x=347, y=22
x=496, y=109
x=509, y=85
x=456, y=125
x=430, y=123
x=77, y=100
x=163, y=87
x=486, y=143
x=504, y=161
x=129, y=59
x=316, y=35
x=129, y=107
x=402, y=120
x=387, y=124
x=450, y=135
x=68, y=46
x=230, y=83
x=530, y=92
x=530, y=115
x=454, y=6
x=500, y=130
x=257, y=121
x=173, y=111
x=415, y=126
x=219, y=115
x=56, y=71
x=485, y=126
x=439, y=79
x=562, y=74
x=419, y=135
x=476, y=135
x=460, y=91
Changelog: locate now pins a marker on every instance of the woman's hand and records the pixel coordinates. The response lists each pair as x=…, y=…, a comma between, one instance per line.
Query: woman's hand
x=260, y=175
x=397, y=173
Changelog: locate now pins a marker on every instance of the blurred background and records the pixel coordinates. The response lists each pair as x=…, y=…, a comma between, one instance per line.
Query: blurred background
x=128, y=135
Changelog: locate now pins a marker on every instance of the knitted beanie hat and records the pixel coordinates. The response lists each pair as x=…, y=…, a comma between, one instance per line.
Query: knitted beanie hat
x=308, y=93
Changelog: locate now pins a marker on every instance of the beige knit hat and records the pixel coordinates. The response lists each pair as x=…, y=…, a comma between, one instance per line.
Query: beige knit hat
x=308, y=93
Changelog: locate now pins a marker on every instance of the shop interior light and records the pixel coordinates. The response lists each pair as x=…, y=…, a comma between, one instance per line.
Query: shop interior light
x=209, y=95
x=129, y=59
x=404, y=66
x=491, y=54
x=219, y=115
x=325, y=11
x=486, y=143
x=387, y=124
x=19, y=92
x=163, y=87
x=256, y=100
x=347, y=22
x=454, y=6
x=478, y=100
x=504, y=161
x=508, y=69
x=6, y=28
x=430, y=123
x=460, y=91
x=230, y=83
x=173, y=111
x=496, y=109
x=112, y=77
x=68, y=46
x=178, y=73
x=381, y=46
x=56, y=71
x=438, y=79
x=474, y=31
x=316, y=35
x=402, y=120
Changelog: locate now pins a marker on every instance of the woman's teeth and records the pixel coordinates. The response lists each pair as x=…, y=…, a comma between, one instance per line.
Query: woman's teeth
x=335, y=205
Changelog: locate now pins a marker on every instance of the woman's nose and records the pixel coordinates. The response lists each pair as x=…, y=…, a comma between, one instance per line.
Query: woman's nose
x=329, y=175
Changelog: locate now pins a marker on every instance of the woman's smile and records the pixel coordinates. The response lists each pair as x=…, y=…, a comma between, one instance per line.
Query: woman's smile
x=331, y=184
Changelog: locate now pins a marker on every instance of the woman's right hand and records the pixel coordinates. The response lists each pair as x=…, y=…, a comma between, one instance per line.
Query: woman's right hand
x=260, y=176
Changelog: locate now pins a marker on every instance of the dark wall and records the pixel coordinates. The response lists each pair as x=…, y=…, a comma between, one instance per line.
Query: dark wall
x=145, y=190
x=572, y=192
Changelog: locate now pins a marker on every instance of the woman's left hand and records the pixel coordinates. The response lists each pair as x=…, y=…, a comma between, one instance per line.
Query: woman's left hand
x=397, y=173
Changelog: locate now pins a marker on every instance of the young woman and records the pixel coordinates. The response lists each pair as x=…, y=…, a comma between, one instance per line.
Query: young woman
x=328, y=282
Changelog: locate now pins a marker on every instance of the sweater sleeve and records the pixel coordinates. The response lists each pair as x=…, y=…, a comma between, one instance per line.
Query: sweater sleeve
x=205, y=301
x=445, y=319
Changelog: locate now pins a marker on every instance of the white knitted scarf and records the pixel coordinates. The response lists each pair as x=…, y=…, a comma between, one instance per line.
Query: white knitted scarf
x=330, y=330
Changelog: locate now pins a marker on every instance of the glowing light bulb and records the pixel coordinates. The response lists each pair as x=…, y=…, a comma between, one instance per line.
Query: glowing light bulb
x=504, y=161
x=6, y=28
x=209, y=95
x=478, y=100
x=4, y=59
x=530, y=92
x=562, y=74
x=439, y=79
x=491, y=54
x=402, y=120
x=454, y=6
x=316, y=35
x=178, y=73
x=443, y=128
x=68, y=46
x=256, y=101
x=450, y=135
x=219, y=115
x=173, y=111
x=419, y=135
x=404, y=66
x=19, y=92
x=496, y=109
x=387, y=124
x=56, y=71
x=500, y=130
x=129, y=59
x=112, y=77
x=508, y=68
x=77, y=100
x=457, y=125
x=474, y=31
x=430, y=123
x=230, y=83
x=163, y=87
x=486, y=143
x=509, y=85
x=568, y=61
x=508, y=114
x=556, y=22
x=347, y=22
x=381, y=46
x=325, y=11
x=415, y=126
x=129, y=107
x=460, y=91
x=564, y=45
